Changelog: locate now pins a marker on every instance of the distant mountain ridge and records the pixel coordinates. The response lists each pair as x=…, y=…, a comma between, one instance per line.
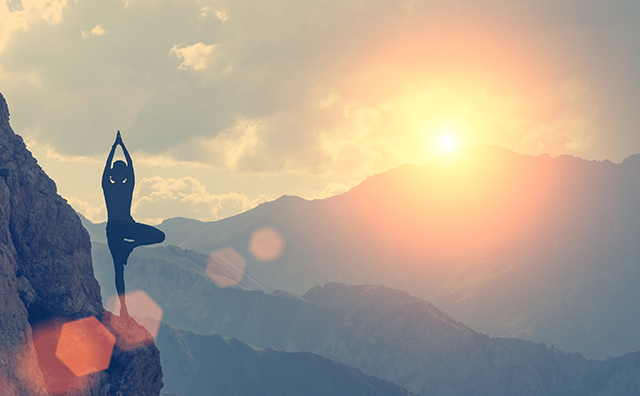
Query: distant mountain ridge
x=383, y=332
x=201, y=365
x=513, y=245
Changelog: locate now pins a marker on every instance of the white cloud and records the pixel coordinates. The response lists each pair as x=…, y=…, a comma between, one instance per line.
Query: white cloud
x=98, y=30
x=221, y=16
x=32, y=13
x=52, y=153
x=207, y=11
x=186, y=197
x=336, y=88
x=95, y=214
x=194, y=57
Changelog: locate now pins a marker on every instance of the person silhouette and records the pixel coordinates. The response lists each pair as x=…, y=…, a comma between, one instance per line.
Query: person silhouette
x=123, y=233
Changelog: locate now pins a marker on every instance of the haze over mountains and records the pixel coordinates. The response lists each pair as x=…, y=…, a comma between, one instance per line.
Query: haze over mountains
x=381, y=331
x=531, y=247
x=511, y=245
x=210, y=364
x=384, y=332
x=56, y=338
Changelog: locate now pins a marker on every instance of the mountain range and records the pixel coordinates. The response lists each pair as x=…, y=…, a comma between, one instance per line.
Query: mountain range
x=333, y=339
x=539, y=248
x=384, y=332
x=205, y=365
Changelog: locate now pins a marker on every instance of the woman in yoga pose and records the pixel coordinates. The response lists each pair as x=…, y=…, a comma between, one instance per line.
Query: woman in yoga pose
x=123, y=233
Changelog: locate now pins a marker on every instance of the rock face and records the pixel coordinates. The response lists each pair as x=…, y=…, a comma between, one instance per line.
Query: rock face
x=46, y=278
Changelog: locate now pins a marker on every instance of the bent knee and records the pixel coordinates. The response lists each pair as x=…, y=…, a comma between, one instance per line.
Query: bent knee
x=161, y=236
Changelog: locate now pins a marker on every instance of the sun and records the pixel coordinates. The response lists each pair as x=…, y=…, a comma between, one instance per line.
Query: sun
x=447, y=142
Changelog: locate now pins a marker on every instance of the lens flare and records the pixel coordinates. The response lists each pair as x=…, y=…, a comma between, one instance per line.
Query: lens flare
x=58, y=378
x=266, y=244
x=226, y=267
x=85, y=346
x=144, y=311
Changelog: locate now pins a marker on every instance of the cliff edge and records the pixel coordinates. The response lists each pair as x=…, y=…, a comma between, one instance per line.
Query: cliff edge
x=46, y=280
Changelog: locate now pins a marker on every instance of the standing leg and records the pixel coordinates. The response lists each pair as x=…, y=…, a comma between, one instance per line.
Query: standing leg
x=119, y=269
x=119, y=249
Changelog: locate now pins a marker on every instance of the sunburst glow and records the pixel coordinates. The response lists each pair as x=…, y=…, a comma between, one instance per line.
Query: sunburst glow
x=447, y=142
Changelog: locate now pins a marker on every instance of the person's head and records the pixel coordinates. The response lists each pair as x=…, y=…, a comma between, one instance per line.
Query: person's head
x=118, y=171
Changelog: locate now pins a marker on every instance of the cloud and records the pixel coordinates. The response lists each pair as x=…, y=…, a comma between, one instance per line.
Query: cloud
x=98, y=30
x=52, y=153
x=95, y=214
x=331, y=88
x=185, y=197
x=194, y=57
x=15, y=19
x=208, y=11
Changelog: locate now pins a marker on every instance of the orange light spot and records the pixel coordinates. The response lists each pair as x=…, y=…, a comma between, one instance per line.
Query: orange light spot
x=41, y=363
x=145, y=311
x=85, y=346
x=266, y=244
x=226, y=267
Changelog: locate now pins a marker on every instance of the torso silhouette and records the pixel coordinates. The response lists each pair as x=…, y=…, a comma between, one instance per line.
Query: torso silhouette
x=118, y=197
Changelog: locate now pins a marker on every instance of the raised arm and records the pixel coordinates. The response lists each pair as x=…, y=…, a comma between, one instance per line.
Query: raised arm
x=130, y=175
x=107, y=168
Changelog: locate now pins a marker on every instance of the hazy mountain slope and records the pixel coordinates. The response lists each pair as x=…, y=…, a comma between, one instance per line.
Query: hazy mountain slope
x=163, y=262
x=384, y=332
x=192, y=301
x=97, y=231
x=202, y=365
x=513, y=245
x=318, y=247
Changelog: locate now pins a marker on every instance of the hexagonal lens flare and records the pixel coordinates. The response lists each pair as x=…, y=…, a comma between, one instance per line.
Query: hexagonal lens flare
x=85, y=346
x=42, y=363
x=266, y=244
x=146, y=315
x=226, y=267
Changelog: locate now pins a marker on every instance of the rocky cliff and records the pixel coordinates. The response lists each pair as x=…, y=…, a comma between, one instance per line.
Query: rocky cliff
x=46, y=279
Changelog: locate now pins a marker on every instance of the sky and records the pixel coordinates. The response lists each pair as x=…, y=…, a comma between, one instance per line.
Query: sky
x=227, y=104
